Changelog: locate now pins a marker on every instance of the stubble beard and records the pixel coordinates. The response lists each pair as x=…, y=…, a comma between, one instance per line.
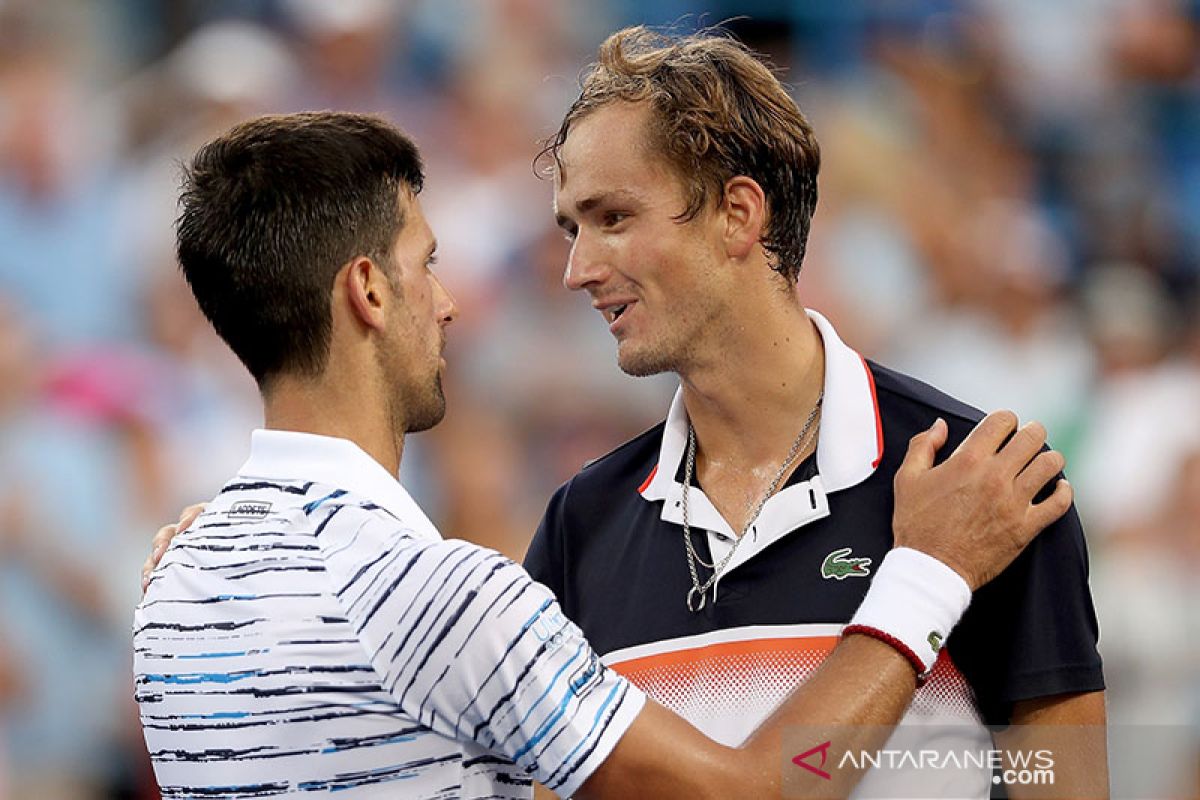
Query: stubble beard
x=414, y=404
x=429, y=411
x=646, y=361
x=672, y=350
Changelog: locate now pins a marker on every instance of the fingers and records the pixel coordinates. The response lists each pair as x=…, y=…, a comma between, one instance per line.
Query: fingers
x=1041, y=470
x=163, y=538
x=188, y=516
x=1044, y=513
x=988, y=435
x=1026, y=443
x=923, y=447
x=975, y=512
x=158, y=546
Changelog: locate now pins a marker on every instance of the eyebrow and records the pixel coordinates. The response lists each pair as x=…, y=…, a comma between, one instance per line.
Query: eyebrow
x=588, y=203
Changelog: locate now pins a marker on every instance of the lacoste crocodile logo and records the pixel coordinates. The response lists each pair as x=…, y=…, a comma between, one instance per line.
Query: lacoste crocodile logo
x=839, y=567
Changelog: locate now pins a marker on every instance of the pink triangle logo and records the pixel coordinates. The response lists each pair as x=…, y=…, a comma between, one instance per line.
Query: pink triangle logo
x=823, y=749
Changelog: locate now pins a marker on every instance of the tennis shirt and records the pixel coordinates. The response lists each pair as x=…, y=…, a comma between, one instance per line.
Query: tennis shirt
x=611, y=548
x=312, y=633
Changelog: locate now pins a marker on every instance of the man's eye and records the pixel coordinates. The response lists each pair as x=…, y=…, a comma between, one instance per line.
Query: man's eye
x=614, y=218
x=569, y=235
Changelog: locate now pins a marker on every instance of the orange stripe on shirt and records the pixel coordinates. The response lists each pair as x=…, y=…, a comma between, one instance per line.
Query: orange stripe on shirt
x=822, y=645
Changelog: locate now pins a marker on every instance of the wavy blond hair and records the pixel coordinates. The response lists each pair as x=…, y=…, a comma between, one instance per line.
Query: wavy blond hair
x=719, y=112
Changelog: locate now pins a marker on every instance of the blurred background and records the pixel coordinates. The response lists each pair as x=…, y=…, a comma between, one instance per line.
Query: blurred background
x=1010, y=210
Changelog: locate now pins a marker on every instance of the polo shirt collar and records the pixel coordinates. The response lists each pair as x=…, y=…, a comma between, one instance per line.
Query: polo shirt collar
x=850, y=446
x=295, y=456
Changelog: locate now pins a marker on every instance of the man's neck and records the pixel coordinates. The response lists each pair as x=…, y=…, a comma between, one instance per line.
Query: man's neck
x=322, y=407
x=748, y=405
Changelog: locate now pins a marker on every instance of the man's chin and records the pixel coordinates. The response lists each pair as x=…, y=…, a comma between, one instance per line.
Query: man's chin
x=427, y=417
x=427, y=421
x=641, y=364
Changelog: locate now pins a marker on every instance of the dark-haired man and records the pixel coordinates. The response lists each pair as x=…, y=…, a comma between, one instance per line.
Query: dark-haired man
x=314, y=634
x=715, y=559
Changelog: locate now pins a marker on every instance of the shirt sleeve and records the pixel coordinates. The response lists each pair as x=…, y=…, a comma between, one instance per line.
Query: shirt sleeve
x=1032, y=632
x=472, y=647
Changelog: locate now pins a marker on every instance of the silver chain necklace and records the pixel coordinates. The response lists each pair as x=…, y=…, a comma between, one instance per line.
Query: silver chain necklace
x=697, y=596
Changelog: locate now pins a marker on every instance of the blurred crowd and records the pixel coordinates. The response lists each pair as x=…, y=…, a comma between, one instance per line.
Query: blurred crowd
x=1010, y=210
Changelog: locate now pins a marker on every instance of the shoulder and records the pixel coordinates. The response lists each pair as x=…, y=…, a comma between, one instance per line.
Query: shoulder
x=1032, y=631
x=908, y=406
x=896, y=391
x=351, y=528
x=370, y=553
x=605, y=493
x=334, y=512
x=622, y=470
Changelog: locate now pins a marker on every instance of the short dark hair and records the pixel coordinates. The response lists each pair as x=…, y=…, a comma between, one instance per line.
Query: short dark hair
x=718, y=112
x=271, y=210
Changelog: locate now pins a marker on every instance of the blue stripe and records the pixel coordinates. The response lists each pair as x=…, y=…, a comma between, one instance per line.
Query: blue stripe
x=512, y=645
x=189, y=678
x=553, y=681
x=217, y=715
x=548, y=725
x=584, y=740
x=315, y=504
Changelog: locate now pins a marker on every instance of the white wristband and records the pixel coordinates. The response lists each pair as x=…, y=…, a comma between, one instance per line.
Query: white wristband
x=913, y=603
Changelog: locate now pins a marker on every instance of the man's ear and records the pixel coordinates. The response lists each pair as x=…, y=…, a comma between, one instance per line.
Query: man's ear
x=744, y=206
x=367, y=290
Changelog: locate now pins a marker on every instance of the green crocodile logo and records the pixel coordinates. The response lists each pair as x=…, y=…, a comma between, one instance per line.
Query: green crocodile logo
x=935, y=641
x=839, y=567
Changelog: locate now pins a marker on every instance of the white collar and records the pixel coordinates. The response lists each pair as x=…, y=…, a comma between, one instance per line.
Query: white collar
x=850, y=446
x=295, y=456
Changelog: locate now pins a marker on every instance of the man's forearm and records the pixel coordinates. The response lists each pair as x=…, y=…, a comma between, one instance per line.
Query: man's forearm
x=862, y=690
x=1072, y=730
x=864, y=683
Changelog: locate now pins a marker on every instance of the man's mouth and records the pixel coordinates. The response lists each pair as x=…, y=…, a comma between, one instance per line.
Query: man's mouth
x=614, y=312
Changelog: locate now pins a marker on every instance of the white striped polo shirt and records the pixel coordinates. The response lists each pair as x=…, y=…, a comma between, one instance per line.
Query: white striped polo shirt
x=313, y=633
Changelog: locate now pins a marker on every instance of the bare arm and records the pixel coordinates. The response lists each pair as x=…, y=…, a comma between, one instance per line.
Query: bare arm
x=975, y=513
x=1071, y=728
x=863, y=683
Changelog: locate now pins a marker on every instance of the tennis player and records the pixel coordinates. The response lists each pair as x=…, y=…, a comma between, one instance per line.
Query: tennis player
x=312, y=633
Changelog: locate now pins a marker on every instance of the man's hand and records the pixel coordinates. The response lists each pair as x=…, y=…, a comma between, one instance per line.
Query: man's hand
x=975, y=511
x=163, y=538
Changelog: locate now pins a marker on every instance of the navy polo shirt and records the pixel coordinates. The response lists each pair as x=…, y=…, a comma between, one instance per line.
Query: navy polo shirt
x=610, y=547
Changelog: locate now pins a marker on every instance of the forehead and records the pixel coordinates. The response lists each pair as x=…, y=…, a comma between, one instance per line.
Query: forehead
x=609, y=151
x=415, y=232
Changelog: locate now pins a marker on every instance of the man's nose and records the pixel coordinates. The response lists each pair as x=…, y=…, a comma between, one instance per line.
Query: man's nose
x=444, y=305
x=586, y=264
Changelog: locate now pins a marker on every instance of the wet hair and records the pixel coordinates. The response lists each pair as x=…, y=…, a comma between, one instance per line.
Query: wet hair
x=718, y=112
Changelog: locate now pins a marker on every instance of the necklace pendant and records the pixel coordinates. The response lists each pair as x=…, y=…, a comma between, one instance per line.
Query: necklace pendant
x=697, y=596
